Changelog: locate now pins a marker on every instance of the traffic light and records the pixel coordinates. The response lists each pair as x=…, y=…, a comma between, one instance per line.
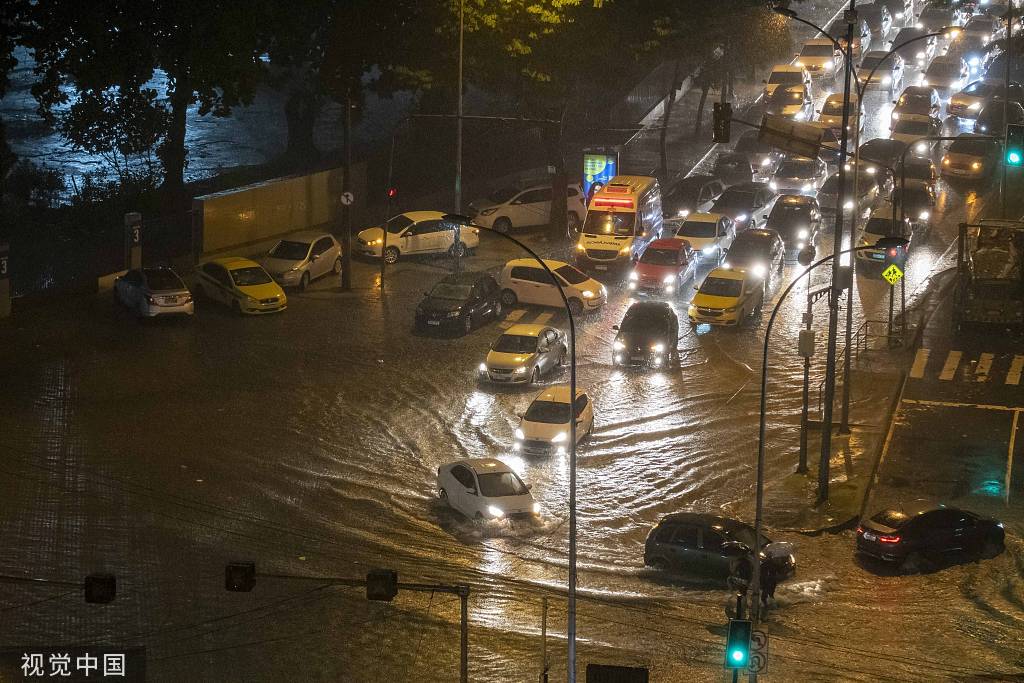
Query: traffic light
x=896, y=255
x=381, y=584
x=721, y=115
x=1015, y=144
x=737, y=644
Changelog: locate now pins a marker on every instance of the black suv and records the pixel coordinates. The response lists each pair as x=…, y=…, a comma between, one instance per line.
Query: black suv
x=707, y=546
x=797, y=219
x=459, y=302
x=695, y=194
x=648, y=335
x=759, y=251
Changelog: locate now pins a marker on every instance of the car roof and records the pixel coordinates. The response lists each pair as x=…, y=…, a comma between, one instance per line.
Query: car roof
x=304, y=236
x=465, y=278
x=729, y=273
x=797, y=200
x=557, y=393
x=417, y=216
x=668, y=243
x=233, y=262
x=749, y=186
x=704, y=518
x=818, y=41
x=550, y=263
x=647, y=307
x=758, y=234
x=703, y=218
x=525, y=330
x=483, y=465
x=877, y=54
x=791, y=68
x=696, y=179
x=838, y=96
x=918, y=90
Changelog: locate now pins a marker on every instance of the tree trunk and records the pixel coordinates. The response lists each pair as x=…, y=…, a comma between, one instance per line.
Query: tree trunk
x=300, y=111
x=172, y=152
x=670, y=100
x=705, y=86
x=559, y=181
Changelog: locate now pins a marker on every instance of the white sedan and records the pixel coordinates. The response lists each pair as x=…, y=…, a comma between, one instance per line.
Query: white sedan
x=799, y=175
x=544, y=427
x=485, y=488
x=416, y=232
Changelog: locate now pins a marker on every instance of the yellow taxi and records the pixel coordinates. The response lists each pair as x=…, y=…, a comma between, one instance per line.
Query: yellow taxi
x=728, y=296
x=241, y=284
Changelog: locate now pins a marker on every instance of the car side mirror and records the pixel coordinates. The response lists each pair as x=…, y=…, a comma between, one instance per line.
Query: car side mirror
x=764, y=215
x=314, y=257
x=735, y=549
x=615, y=327
x=470, y=492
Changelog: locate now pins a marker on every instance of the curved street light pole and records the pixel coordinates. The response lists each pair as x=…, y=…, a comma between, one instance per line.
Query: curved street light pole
x=465, y=221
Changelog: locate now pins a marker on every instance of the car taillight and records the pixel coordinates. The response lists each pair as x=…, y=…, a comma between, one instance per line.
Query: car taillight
x=860, y=530
x=888, y=539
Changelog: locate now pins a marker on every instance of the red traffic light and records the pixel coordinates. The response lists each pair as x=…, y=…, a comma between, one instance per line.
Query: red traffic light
x=392, y=192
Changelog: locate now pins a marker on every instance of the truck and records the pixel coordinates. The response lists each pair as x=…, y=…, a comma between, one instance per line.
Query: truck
x=990, y=275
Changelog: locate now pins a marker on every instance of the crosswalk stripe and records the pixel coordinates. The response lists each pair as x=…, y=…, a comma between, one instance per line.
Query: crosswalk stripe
x=920, y=361
x=1013, y=376
x=949, y=369
x=544, y=317
x=512, y=318
x=984, y=366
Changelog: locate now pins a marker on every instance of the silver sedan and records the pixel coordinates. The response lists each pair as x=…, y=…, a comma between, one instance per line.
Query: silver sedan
x=523, y=354
x=800, y=175
x=151, y=292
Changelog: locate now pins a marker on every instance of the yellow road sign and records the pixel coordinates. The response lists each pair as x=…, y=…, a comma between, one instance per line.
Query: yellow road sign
x=892, y=274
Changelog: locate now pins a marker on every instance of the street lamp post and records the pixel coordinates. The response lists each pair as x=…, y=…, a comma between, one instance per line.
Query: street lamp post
x=465, y=221
x=458, y=108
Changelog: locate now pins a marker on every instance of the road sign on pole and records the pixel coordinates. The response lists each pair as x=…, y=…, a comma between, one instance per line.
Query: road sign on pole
x=892, y=274
x=758, y=653
x=347, y=198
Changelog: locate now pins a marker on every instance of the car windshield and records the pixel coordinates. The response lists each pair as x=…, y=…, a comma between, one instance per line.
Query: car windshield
x=500, y=484
x=979, y=89
x=642, y=322
x=943, y=69
x=871, y=61
x=881, y=226
x=515, y=343
x=398, y=224
x=915, y=101
x=548, y=412
x=659, y=257
x=835, y=108
x=891, y=518
x=503, y=195
x=290, y=251
x=914, y=197
x=978, y=148
x=608, y=223
x=919, y=171
x=253, y=275
x=450, y=290
x=745, y=251
x=911, y=128
x=161, y=278
x=797, y=168
x=786, y=96
x=720, y=286
x=571, y=275
x=703, y=229
x=817, y=51
x=786, y=77
x=783, y=217
x=734, y=200
x=933, y=16
x=684, y=194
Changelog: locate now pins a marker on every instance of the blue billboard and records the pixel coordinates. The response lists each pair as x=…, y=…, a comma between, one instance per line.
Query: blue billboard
x=599, y=167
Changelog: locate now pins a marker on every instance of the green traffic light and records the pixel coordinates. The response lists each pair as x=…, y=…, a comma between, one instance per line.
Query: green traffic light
x=1014, y=157
x=738, y=656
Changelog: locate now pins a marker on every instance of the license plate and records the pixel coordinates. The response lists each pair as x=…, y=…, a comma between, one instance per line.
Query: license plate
x=868, y=536
x=433, y=322
x=601, y=267
x=878, y=257
x=637, y=358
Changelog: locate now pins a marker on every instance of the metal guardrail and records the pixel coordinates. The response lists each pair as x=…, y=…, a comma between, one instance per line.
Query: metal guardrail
x=866, y=338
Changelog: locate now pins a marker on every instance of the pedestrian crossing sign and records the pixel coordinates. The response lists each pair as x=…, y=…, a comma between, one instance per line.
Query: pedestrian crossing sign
x=892, y=274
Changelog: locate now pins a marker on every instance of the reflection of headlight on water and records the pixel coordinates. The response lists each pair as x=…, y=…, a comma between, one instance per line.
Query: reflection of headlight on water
x=766, y=161
x=632, y=286
x=759, y=270
x=800, y=245
x=495, y=511
x=658, y=348
x=519, y=434
x=668, y=279
x=617, y=345
x=803, y=234
x=923, y=216
x=559, y=437
x=560, y=450
x=848, y=204
x=633, y=276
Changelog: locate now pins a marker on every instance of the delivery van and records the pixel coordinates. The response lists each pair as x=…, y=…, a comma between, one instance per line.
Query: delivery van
x=624, y=217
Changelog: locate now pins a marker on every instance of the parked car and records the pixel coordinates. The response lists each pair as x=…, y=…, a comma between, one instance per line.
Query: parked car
x=968, y=102
x=971, y=156
x=797, y=220
x=785, y=75
x=525, y=204
x=524, y=354
x=733, y=168
x=821, y=58
x=523, y=281
x=460, y=302
x=648, y=335
x=708, y=546
x=153, y=292
x=544, y=427
x=799, y=175
x=745, y=204
x=884, y=69
x=303, y=257
x=708, y=234
x=878, y=18
x=793, y=102
x=727, y=296
x=990, y=119
x=664, y=267
x=240, y=284
x=921, y=535
x=915, y=49
x=763, y=158
x=946, y=74
x=416, y=232
x=761, y=252
x=693, y=194
x=485, y=488
x=916, y=201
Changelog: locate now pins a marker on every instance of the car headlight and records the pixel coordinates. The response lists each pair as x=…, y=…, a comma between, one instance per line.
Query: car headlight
x=587, y=294
x=731, y=309
x=759, y=270
x=453, y=314
x=766, y=161
x=633, y=276
x=558, y=438
x=799, y=116
x=668, y=279
x=982, y=127
x=742, y=217
x=495, y=511
x=922, y=81
x=483, y=367
x=974, y=106
x=802, y=234
x=519, y=434
x=921, y=147
x=923, y=216
x=624, y=250
x=945, y=161
x=580, y=247
x=658, y=348
x=830, y=64
x=773, y=185
x=798, y=63
x=251, y=301
x=806, y=187
x=536, y=508
x=378, y=241
x=870, y=170
x=887, y=80
x=976, y=165
x=899, y=15
x=848, y=204
x=617, y=345
x=974, y=61
x=683, y=213
x=895, y=116
x=488, y=212
x=519, y=371
x=708, y=250
x=920, y=55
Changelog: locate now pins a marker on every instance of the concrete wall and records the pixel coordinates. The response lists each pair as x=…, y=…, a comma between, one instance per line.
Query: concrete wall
x=259, y=212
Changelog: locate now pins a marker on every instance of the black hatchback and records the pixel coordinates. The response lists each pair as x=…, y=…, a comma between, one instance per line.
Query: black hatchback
x=647, y=336
x=922, y=535
x=459, y=302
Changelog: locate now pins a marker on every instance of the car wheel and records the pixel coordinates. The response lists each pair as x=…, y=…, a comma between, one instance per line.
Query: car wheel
x=575, y=307
x=478, y=517
x=992, y=547
x=304, y=282
x=498, y=310
x=535, y=377
x=915, y=563
x=561, y=358
x=457, y=250
x=443, y=495
x=391, y=255
x=503, y=225
x=660, y=564
x=574, y=221
x=236, y=308
x=337, y=266
x=508, y=298
x=467, y=324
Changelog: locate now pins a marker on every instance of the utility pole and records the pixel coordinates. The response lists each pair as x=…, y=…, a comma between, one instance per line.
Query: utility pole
x=544, y=639
x=458, y=113
x=1006, y=103
x=346, y=209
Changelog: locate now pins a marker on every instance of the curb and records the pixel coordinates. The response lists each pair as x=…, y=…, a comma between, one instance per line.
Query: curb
x=881, y=450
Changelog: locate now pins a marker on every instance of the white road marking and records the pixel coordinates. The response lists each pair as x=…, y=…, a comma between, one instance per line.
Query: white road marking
x=512, y=318
x=1013, y=375
x=984, y=365
x=1009, y=457
x=949, y=369
x=544, y=317
x=956, y=404
x=920, y=361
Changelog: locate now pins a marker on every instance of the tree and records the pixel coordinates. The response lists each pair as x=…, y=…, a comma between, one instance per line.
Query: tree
x=12, y=15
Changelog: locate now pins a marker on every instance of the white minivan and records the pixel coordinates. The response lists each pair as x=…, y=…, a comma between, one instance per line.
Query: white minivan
x=524, y=281
x=624, y=217
x=525, y=205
